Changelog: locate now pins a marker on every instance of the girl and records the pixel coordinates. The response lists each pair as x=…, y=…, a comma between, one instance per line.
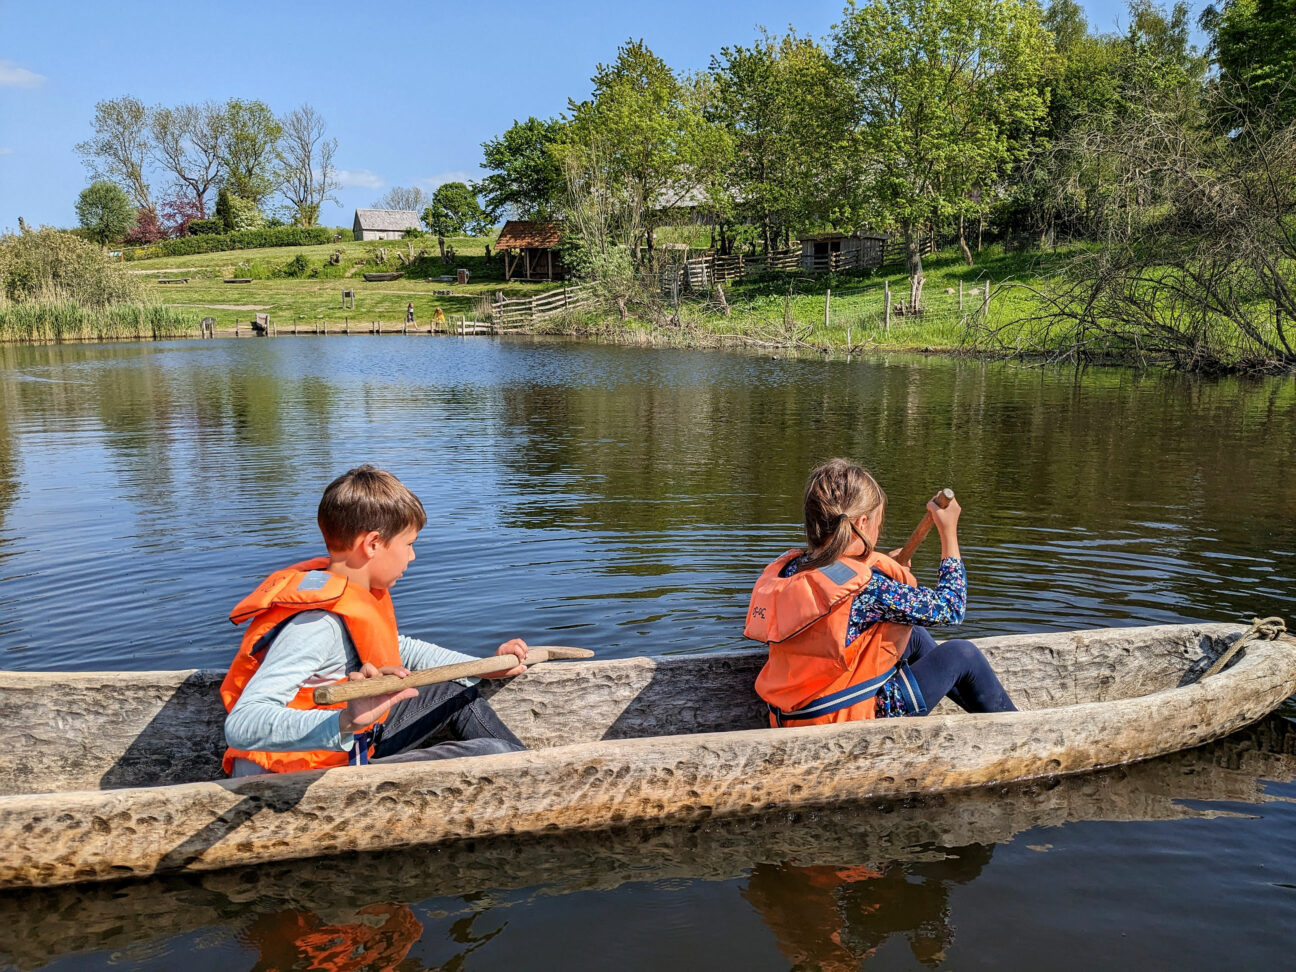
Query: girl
x=846, y=625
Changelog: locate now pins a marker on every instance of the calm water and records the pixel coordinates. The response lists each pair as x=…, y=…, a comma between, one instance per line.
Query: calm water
x=624, y=500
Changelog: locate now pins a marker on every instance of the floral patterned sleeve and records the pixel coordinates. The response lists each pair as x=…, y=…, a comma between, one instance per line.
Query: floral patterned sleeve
x=884, y=599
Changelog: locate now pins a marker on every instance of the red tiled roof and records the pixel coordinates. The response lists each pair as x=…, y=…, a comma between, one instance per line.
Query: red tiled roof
x=521, y=234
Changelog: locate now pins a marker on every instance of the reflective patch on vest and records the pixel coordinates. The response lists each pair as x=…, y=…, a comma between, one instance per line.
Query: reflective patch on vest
x=838, y=573
x=314, y=581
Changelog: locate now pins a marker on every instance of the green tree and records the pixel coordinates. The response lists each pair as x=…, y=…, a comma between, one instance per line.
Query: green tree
x=120, y=148
x=642, y=125
x=941, y=85
x=250, y=150
x=105, y=211
x=786, y=107
x=526, y=177
x=1254, y=46
x=454, y=210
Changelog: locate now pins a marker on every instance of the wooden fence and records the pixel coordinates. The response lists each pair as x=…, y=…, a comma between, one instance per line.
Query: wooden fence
x=710, y=268
x=520, y=311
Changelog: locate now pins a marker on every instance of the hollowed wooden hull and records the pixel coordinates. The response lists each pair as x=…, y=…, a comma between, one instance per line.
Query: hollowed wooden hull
x=618, y=742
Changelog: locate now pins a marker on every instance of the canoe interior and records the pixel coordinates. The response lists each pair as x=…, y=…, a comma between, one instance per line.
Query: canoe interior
x=97, y=730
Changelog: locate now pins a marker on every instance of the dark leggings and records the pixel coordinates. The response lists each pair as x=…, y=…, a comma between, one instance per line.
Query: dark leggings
x=445, y=721
x=957, y=669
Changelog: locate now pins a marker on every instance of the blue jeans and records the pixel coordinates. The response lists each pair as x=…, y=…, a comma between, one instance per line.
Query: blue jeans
x=955, y=668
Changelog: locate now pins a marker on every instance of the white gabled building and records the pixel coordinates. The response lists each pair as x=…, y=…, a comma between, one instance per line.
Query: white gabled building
x=384, y=224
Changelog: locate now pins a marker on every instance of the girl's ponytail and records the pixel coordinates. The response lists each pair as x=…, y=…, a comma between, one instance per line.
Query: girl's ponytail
x=837, y=493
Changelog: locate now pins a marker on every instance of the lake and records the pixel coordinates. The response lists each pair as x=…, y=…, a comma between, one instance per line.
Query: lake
x=625, y=499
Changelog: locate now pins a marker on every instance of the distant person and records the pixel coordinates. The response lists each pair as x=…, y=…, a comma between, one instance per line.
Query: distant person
x=331, y=620
x=438, y=318
x=409, y=313
x=846, y=624
x=488, y=253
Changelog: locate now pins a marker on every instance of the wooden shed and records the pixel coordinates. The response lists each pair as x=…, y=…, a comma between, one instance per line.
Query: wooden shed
x=530, y=250
x=384, y=224
x=822, y=252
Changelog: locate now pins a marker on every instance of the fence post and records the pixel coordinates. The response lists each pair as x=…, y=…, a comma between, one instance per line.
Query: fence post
x=960, y=295
x=827, y=305
x=886, y=295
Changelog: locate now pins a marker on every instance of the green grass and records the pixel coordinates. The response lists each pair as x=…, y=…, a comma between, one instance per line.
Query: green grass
x=776, y=307
x=309, y=300
x=856, y=316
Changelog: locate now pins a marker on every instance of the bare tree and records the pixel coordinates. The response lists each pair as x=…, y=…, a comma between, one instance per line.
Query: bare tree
x=403, y=197
x=307, y=174
x=1198, y=256
x=188, y=141
x=120, y=149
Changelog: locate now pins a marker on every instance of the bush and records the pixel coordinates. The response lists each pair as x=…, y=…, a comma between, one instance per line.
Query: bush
x=52, y=266
x=249, y=240
x=205, y=227
x=298, y=266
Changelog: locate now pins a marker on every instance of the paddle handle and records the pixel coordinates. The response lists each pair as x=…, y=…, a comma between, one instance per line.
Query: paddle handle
x=366, y=688
x=941, y=499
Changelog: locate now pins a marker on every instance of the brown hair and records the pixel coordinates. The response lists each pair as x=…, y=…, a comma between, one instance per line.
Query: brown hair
x=366, y=498
x=837, y=492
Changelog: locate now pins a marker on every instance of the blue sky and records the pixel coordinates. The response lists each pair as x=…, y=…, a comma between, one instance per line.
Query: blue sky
x=410, y=91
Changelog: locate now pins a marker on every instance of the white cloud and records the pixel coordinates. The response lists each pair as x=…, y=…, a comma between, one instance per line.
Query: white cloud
x=437, y=181
x=6, y=151
x=19, y=77
x=359, y=179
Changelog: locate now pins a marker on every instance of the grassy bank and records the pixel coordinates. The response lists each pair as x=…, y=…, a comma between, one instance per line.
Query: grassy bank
x=309, y=291
x=842, y=313
x=51, y=320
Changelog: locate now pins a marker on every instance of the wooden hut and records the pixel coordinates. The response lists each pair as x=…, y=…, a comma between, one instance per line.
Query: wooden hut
x=530, y=250
x=822, y=252
x=384, y=224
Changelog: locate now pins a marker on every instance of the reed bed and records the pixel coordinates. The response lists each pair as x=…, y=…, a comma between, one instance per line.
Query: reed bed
x=66, y=320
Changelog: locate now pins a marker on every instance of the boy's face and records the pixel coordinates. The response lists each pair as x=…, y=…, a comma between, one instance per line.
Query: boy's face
x=390, y=558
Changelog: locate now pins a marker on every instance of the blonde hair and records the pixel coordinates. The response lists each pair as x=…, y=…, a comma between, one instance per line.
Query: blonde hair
x=838, y=492
x=367, y=498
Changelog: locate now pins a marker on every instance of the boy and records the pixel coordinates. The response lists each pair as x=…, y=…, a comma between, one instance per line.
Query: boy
x=331, y=619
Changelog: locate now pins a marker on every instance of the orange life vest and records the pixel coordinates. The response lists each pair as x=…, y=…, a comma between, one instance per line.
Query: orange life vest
x=812, y=676
x=307, y=586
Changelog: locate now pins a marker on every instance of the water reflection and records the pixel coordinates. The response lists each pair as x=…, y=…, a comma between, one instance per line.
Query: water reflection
x=834, y=918
x=830, y=886
x=628, y=494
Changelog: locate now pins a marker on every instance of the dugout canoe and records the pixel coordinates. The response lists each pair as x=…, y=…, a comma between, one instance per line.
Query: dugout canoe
x=113, y=775
x=45, y=925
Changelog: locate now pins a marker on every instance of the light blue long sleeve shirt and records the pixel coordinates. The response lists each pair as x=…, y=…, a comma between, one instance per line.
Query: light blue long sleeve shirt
x=312, y=649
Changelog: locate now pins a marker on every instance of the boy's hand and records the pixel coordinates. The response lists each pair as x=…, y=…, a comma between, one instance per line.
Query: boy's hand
x=362, y=713
x=514, y=646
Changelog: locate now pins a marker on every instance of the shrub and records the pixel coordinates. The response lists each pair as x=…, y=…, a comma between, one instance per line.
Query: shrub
x=205, y=227
x=298, y=266
x=52, y=266
x=249, y=240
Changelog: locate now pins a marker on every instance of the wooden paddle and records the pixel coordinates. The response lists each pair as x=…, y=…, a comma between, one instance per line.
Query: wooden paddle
x=942, y=499
x=365, y=688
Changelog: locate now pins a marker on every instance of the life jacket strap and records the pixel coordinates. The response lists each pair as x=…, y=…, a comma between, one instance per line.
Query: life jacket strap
x=359, y=754
x=828, y=704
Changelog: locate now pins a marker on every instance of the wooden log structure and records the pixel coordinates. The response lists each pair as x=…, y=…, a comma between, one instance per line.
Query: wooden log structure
x=678, y=738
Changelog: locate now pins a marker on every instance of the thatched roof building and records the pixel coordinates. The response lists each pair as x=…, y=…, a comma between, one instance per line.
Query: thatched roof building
x=530, y=250
x=384, y=224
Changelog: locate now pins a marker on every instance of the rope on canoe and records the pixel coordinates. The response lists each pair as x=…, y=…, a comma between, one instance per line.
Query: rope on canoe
x=1262, y=629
